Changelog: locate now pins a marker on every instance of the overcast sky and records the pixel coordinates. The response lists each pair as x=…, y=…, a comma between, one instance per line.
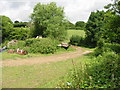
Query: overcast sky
x=75, y=10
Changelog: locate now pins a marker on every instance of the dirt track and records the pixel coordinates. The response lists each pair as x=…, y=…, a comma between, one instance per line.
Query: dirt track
x=46, y=59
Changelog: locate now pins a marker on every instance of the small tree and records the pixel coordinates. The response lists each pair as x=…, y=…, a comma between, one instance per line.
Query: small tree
x=47, y=20
x=80, y=25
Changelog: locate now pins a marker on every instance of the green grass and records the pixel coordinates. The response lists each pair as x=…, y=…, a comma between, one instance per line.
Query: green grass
x=8, y=56
x=75, y=32
x=39, y=75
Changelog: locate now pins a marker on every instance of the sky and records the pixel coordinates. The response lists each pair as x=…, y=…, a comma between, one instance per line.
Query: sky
x=75, y=10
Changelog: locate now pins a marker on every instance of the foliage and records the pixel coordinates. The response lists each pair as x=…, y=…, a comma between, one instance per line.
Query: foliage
x=56, y=32
x=106, y=72
x=45, y=17
x=20, y=33
x=94, y=27
x=43, y=46
x=69, y=25
x=114, y=7
x=113, y=25
x=100, y=72
x=6, y=26
x=0, y=36
x=20, y=24
x=76, y=40
x=107, y=47
x=80, y=25
x=112, y=28
x=113, y=46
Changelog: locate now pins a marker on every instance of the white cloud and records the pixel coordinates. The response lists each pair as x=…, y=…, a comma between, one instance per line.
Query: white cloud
x=75, y=10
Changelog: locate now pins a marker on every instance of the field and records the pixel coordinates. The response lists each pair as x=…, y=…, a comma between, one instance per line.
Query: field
x=75, y=32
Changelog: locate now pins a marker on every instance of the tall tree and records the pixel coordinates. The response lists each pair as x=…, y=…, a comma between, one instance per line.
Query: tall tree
x=94, y=27
x=113, y=25
x=48, y=18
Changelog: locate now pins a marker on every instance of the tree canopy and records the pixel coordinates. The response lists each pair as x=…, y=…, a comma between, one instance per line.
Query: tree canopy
x=6, y=26
x=94, y=27
x=48, y=19
x=20, y=24
x=80, y=24
x=113, y=22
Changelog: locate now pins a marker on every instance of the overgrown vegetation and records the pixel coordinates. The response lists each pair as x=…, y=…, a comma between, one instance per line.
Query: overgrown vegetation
x=95, y=72
x=33, y=45
x=43, y=46
x=101, y=69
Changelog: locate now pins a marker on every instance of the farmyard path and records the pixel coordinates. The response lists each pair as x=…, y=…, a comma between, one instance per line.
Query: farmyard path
x=46, y=59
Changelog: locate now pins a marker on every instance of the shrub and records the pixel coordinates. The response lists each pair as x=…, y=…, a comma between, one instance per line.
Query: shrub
x=106, y=47
x=30, y=41
x=44, y=45
x=76, y=40
x=20, y=33
x=100, y=72
x=113, y=46
x=105, y=72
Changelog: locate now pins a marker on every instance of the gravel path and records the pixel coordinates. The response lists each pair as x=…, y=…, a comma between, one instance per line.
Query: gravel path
x=46, y=59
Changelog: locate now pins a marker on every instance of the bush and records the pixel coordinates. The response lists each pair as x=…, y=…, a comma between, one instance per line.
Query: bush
x=113, y=46
x=100, y=72
x=106, y=47
x=20, y=33
x=105, y=72
x=44, y=45
x=76, y=40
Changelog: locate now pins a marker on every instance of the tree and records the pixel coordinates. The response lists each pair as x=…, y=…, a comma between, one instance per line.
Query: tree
x=94, y=27
x=20, y=24
x=115, y=7
x=16, y=21
x=80, y=24
x=69, y=25
x=47, y=16
x=6, y=27
x=113, y=25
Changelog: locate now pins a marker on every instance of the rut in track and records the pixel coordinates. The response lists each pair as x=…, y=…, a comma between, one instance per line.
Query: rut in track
x=46, y=59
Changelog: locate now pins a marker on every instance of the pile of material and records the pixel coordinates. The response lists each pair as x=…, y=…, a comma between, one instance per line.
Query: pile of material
x=64, y=45
x=18, y=51
x=11, y=43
